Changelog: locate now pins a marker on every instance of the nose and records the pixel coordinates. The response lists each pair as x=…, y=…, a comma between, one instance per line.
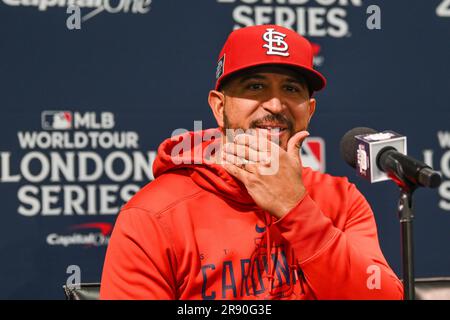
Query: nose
x=274, y=104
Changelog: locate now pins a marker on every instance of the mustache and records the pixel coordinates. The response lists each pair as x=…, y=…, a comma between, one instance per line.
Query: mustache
x=274, y=118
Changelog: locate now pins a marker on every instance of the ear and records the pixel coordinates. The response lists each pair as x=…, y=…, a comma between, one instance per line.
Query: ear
x=312, y=108
x=216, y=100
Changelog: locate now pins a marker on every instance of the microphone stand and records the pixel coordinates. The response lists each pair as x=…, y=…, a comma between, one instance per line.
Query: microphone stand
x=406, y=217
x=408, y=174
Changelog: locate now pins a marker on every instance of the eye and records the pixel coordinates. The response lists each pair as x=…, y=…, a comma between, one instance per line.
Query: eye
x=291, y=88
x=255, y=86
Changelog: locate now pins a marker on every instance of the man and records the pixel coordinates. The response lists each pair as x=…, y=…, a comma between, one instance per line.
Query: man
x=244, y=219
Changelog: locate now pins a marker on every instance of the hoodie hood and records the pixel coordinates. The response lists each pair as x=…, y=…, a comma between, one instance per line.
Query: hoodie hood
x=195, y=151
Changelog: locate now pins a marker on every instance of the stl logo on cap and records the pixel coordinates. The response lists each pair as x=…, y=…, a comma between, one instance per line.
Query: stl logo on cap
x=275, y=43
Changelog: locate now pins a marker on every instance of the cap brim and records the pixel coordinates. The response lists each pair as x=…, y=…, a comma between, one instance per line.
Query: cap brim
x=315, y=79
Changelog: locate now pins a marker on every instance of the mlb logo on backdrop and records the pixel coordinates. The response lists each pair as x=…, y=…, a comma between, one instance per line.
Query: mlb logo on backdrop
x=56, y=120
x=313, y=153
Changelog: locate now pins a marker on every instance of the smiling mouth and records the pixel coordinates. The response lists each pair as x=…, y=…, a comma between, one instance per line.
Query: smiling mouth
x=272, y=128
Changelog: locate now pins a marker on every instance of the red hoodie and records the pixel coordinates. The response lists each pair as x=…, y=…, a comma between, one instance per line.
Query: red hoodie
x=195, y=233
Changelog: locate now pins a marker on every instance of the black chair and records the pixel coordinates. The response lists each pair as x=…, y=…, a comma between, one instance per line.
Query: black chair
x=82, y=291
x=426, y=289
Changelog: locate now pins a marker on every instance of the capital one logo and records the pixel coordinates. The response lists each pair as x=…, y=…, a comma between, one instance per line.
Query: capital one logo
x=275, y=43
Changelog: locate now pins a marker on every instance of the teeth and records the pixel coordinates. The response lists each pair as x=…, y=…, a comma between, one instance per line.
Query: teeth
x=272, y=128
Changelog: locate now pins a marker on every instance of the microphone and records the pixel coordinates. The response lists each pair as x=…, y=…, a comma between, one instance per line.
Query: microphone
x=380, y=156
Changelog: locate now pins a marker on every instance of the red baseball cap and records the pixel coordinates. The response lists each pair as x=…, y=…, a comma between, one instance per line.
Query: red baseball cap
x=267, y=44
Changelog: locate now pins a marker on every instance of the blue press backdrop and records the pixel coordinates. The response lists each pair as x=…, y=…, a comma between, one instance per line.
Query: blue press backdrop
x=152, y=71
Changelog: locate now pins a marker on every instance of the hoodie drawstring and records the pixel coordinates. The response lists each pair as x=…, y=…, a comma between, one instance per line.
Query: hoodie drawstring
x=297, y=272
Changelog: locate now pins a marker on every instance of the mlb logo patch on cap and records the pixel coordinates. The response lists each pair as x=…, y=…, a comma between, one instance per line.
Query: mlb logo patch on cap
x=220, y=67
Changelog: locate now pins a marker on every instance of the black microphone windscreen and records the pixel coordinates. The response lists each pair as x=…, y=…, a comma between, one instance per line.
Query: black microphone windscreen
x=349, y=144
